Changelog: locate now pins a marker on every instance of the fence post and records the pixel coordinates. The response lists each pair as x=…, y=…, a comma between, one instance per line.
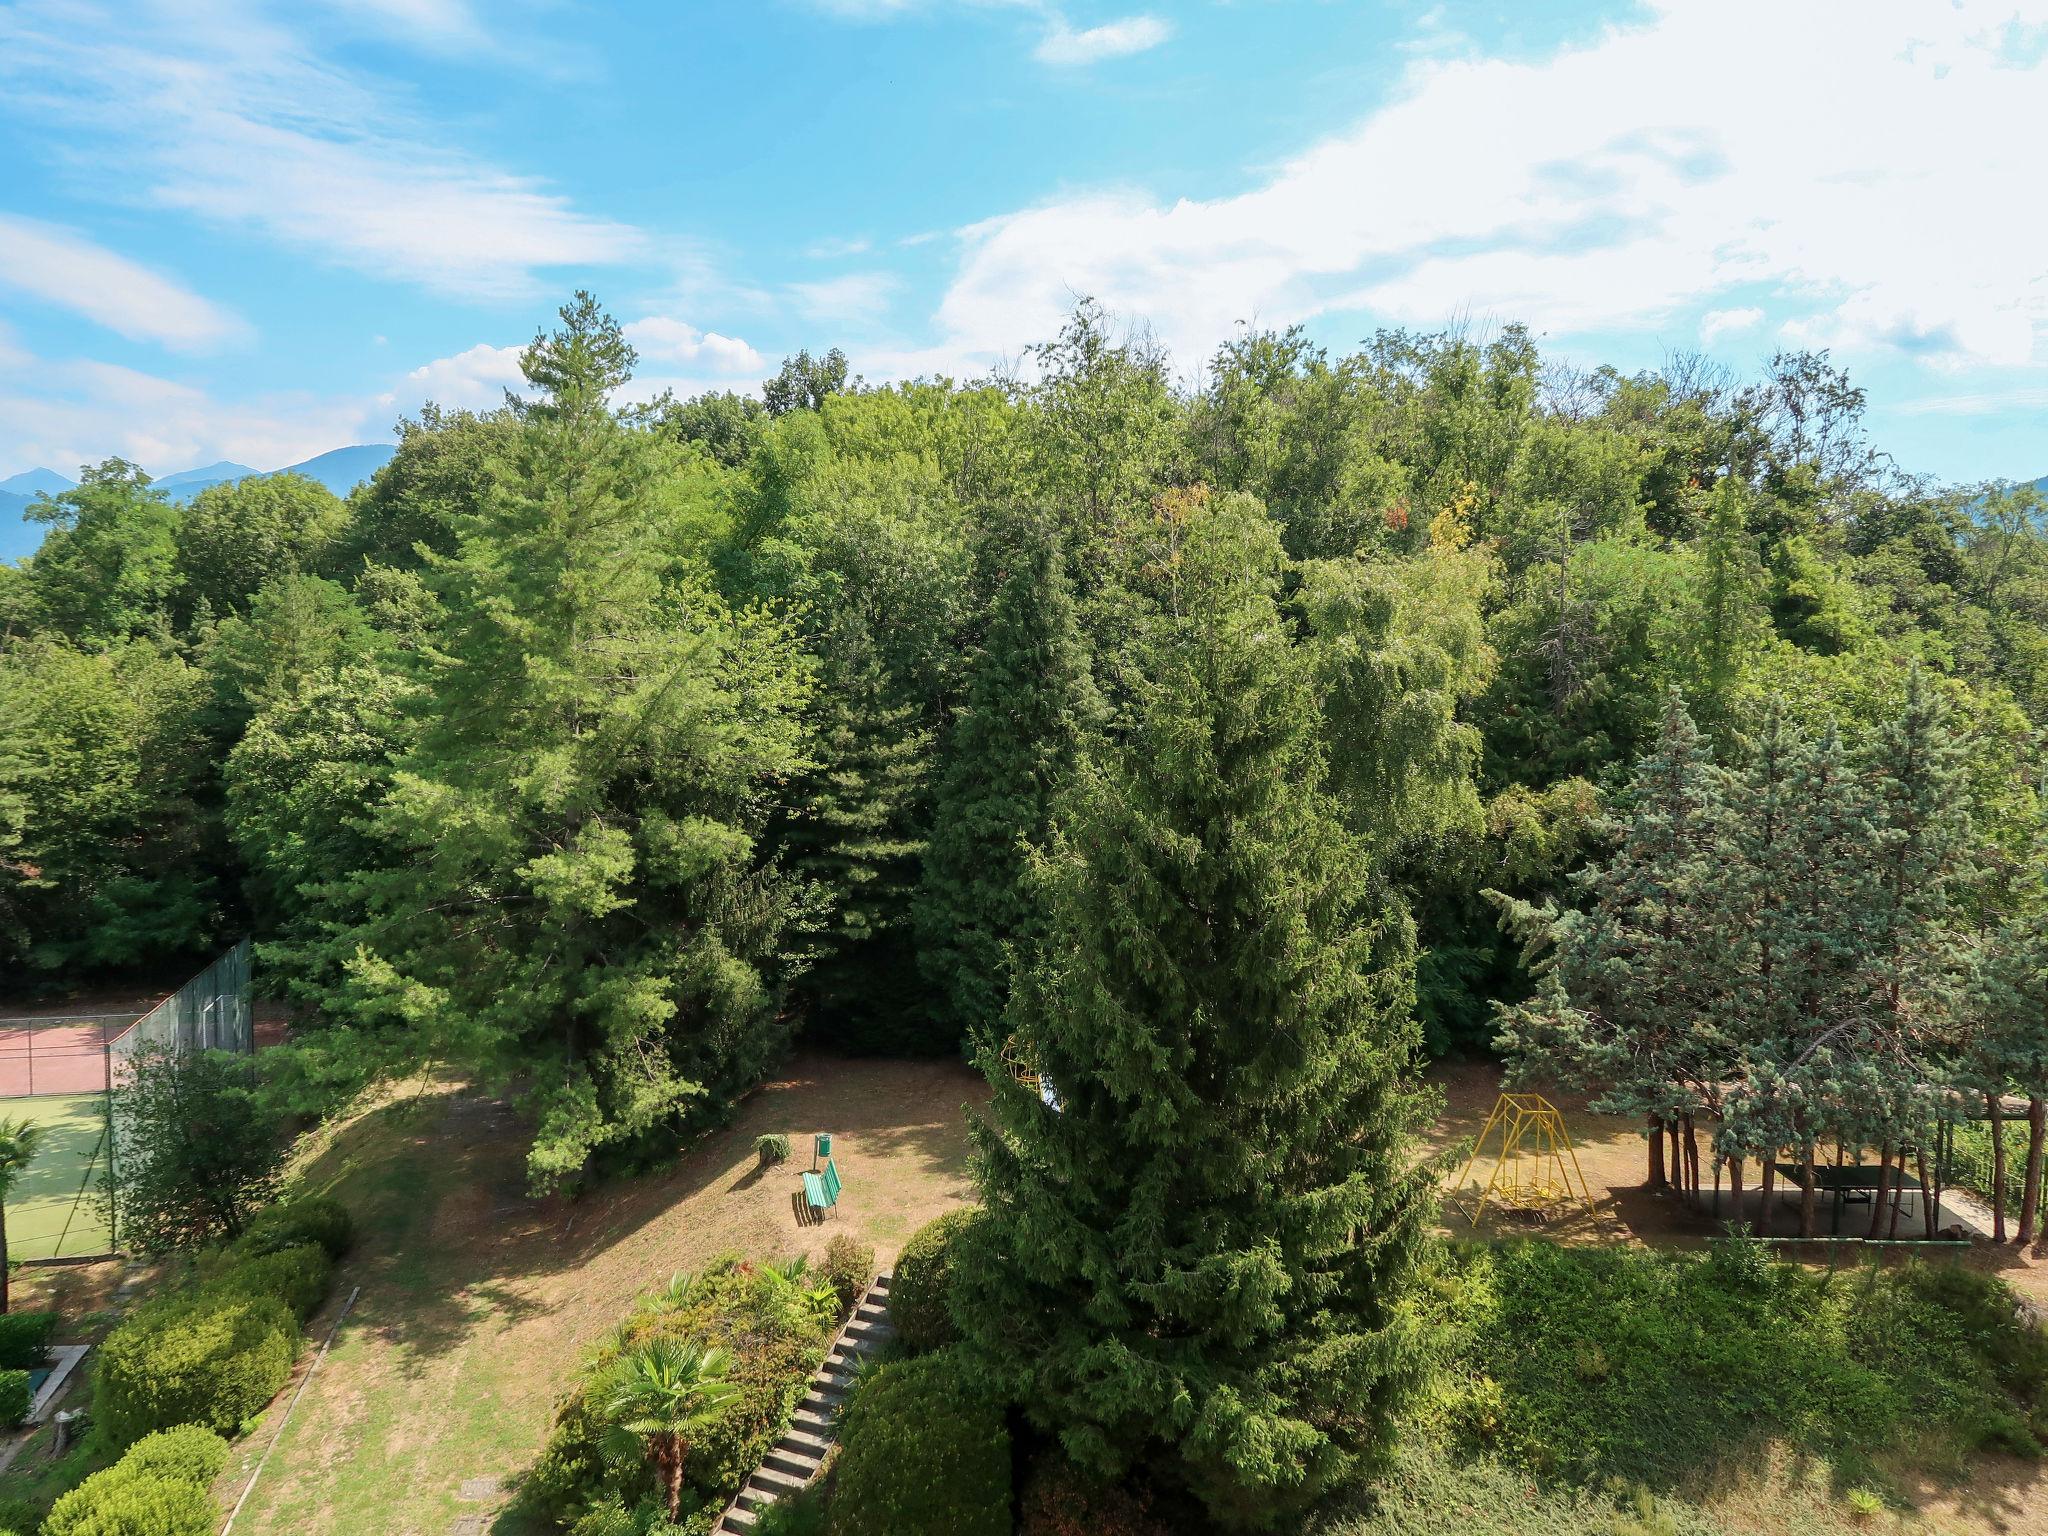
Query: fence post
x=107, y=1098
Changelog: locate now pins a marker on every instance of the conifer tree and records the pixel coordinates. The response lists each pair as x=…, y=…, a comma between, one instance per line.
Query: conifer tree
x=572, y=896
x=855, y=828
x=1197, y=1258
x=2009, y=1047
x=1626, y=991
x=1030, y=702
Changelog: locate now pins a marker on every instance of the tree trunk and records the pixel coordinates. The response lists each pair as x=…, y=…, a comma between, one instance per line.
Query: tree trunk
x=1770, y=1189
x=1735, y=1185
x=1692, y=1159
x=2030, y=1197
x=1677, y=1157
x=1884, y=1180
x=1657, y=1179
x=670, y=1457
x=1926, y=1192
x=1809, y=1195
x=1997, y=1166
x=6, y=1288
x=1891, y=1231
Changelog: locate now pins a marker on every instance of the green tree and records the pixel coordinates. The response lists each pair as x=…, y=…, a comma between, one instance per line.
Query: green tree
x=240, y=537
x=20, y=1141
x=663, y=1394
x=1030, y=705
x=1627, y=986
x=108, y=567
x=1198, y=1257
x=571, y=891
x=196, y=1153
x=804, y=382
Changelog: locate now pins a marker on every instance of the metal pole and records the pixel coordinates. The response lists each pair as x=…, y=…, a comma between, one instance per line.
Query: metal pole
x=113, y=1181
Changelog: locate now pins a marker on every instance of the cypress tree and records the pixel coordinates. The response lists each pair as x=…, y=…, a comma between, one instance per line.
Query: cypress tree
x=1197, y=1259
x=1030, y=700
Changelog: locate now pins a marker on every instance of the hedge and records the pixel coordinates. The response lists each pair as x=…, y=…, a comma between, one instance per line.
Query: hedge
x=293, y=1223
x=15, y=1397
x=161, y=1487
x=918, y=1290
x=924, y=1452
x=25, y=1339
x=298, y=1277
x=210, y=1358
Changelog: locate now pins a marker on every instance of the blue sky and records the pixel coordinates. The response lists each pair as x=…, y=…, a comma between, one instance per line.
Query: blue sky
x=248, y=231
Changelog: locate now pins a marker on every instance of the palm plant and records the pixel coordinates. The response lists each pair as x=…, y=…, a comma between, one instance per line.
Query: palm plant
x=664, y=1393
x=20, y=1140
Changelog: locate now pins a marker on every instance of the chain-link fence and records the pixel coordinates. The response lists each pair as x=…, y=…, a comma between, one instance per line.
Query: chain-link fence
x=57, y=1071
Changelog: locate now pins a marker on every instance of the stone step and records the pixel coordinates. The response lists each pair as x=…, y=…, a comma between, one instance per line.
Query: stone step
x=775, y=1484
x=797, y=1463
x=805, y=1421
x=739, y=1520
x=805, y=1442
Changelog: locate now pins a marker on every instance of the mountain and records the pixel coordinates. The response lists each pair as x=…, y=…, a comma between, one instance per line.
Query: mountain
x=188, y=483
x=341, y=470
x=32, y=481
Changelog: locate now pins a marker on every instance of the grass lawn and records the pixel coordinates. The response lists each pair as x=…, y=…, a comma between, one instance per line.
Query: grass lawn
x=477, y=1303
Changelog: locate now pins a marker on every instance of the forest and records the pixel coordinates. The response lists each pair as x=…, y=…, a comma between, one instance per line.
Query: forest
x=598, y=751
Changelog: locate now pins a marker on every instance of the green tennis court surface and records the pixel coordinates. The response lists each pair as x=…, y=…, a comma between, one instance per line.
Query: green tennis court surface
x=54, y=1211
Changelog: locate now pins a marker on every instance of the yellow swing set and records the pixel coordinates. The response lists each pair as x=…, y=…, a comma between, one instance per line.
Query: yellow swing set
x=1534, y=1165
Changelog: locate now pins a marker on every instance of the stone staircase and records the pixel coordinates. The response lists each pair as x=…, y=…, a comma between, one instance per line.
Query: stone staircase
x=793, y=1460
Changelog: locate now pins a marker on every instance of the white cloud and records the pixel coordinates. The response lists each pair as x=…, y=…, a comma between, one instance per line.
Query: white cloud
x=1976, y=404
x=1066, y=45
x=219, y=112
x=1727, y=322
x=475, y=380
x=858, y=298
x=64, y=268
x=82, y=411
x=660, y=339
x=1860, y=174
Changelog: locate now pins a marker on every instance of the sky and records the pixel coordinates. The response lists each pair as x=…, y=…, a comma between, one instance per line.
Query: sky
x=232, y=230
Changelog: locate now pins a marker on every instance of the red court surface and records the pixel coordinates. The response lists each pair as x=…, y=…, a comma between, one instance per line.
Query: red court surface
x=55, y=1056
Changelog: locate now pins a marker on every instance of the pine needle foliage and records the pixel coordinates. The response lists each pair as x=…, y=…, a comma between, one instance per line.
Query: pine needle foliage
x=1199, y=1258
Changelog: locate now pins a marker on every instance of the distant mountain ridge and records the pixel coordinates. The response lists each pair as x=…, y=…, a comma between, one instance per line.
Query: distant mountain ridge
x=341, y=470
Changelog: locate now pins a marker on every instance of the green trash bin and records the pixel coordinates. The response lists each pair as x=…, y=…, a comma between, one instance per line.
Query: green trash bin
x=821, y=1149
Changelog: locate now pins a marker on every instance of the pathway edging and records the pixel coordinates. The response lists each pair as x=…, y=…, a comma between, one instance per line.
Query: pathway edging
x=794, y=1460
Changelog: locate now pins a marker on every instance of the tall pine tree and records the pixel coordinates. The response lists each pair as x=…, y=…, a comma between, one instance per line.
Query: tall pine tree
x=1030, y=703
x=574, y=898
x=1197, y=1260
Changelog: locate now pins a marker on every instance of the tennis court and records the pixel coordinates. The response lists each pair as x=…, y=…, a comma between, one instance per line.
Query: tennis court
x=57, y=1069
x=55, y=1212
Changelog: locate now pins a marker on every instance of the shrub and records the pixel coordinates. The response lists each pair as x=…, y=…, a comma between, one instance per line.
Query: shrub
x=920, y=1287
x=189, y=1454
x=849, y=1266
x=298, y=1277
x=923, y=1452
x=302, y=1219
x=777, y=1338
x=159, y=1488
x=773, y=1148
x=206, y=1358
x=197, y=1149
x=25, y=1339
x=15, y=1397
x=1059, y=1500
x=801, y=1514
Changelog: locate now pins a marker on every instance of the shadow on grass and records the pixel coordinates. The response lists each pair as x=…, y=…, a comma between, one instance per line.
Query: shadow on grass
x=446, y=1228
